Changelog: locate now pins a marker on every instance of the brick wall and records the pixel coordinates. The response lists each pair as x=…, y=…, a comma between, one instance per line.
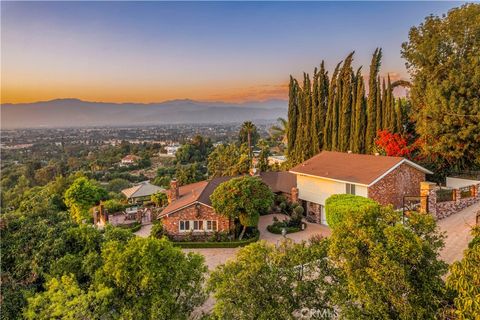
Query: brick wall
x=193, y=212
x=403, y=181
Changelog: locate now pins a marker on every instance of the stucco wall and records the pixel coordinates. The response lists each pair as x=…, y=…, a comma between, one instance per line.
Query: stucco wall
x=317, y=190
x=403, y=181
x=171, y=223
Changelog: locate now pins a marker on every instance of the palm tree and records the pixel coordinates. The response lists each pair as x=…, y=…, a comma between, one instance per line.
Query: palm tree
x=249, y=128
x=279, y=131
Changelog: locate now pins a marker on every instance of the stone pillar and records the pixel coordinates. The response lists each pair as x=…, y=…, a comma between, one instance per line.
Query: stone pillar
x=458, y=194
x=173, y=193
x=294, y=194
x=427, y=192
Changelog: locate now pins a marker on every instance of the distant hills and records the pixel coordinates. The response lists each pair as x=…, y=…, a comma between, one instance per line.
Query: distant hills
x=78, y=113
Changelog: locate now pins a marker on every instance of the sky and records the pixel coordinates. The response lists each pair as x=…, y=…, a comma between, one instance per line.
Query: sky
x=211, y=51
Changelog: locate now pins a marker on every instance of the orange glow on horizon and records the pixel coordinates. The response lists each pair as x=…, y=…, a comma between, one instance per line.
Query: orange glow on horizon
x=144, y=94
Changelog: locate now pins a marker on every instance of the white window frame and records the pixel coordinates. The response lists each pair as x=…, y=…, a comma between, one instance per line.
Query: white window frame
x=204, y=224
x=350, y=188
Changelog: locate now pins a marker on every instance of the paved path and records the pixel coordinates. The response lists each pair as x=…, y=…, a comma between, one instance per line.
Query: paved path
x=144, y=230
x=457, y=228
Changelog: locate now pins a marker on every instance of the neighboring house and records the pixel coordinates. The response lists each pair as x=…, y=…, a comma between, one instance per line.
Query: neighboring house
x=141, y=192
x=276, y=160
x=384, y=179
x=129, y=160
x=190, y=209
x=172, y=150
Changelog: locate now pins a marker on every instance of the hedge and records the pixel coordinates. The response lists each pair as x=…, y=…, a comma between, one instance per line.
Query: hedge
x=226, y=244
x=339, y=206
x=278, y=229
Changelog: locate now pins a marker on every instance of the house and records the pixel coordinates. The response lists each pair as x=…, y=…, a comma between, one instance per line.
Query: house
x=190, y=209
x=386, y=180
x=172, y=150
x=276, y=160
x=141, y=192
x=129, y=160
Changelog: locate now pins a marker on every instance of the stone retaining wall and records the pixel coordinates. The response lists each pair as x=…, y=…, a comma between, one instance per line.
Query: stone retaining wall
x=444, y=209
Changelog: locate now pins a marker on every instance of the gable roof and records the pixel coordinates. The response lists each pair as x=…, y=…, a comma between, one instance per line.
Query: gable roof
x=352, y=168
x=142, y=189
x=131, y=157
x=201, y=191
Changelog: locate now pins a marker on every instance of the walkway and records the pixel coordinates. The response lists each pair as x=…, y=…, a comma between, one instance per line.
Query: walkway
x=457, y=228
x=144, y=231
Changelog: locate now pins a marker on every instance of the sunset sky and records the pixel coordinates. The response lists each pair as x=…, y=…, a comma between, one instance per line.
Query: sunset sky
x=154, y=51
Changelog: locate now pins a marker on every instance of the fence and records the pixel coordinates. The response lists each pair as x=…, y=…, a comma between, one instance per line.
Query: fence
x=443, y=202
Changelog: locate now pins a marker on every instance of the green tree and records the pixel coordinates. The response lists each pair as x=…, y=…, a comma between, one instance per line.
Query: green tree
x=329, y=118
x=266, y=282
x=386, y=269
x=195, y=150
x=243, y=198
x=360, y=122
x=64, y=299
x=442, y=59
x=345, y=108
x=278, y=132
x=160, y=199
x=372, y=100
x=152, y=279
x=228, y=160
x=118, y=184
x=464, y=279
x=293, y=114
x=248, y=134
x=81, y=196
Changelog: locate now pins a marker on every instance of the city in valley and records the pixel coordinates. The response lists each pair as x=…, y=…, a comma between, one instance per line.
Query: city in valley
x=229, y=160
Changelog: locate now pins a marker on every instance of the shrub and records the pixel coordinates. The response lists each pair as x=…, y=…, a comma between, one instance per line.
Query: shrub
x=278, y=226
x=299, y=210
x=157, y=230
x=339, y=206
x=113, y=205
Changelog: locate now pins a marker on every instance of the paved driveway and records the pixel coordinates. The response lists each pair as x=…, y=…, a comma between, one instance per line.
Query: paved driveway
x=217, y=256
x=457, y=228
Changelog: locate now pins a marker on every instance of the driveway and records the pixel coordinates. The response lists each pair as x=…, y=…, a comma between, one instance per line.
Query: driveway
x=457, y=229
x=217, y=256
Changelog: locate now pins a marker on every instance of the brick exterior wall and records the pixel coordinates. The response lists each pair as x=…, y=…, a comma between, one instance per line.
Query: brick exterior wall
x=403, y=181
x=313, y=213
x=203, y=212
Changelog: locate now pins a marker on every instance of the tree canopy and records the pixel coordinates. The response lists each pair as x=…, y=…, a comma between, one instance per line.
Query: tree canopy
x=443, y=60
x=244, y=198
x=81, y=196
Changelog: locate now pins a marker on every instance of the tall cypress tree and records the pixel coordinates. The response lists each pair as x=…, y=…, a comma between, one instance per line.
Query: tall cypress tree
x=328, y=130
x=380, y=99
x=337, y=99
x=322, y=98
x=399, y=116
x=359, y=115
x=310, y=135
x=372, y=100
x=390, y=110
x=345, y=107
x=315, y=120
x=292, y=118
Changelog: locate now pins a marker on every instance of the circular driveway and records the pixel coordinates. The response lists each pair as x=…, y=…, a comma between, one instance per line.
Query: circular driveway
x=217, y=256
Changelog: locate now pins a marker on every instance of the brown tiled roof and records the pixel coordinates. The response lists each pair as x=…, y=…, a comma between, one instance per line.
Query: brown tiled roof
x=350, y=167
x=201, y=191
x=282, y=181
x=187, y=195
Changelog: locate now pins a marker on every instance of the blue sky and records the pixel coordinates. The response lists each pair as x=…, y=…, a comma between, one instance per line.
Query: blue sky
x=154, y=51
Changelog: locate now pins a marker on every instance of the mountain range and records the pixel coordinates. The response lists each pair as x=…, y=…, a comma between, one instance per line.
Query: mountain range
x=79, y=113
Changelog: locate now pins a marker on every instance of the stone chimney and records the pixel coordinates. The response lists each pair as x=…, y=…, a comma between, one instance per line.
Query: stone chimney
x=294, y=194
x=173, y=194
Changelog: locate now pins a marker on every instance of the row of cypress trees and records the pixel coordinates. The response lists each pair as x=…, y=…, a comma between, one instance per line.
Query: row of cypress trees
x=336, y=114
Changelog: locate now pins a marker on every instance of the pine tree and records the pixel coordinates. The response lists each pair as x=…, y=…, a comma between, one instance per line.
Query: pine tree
x=372, y=100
